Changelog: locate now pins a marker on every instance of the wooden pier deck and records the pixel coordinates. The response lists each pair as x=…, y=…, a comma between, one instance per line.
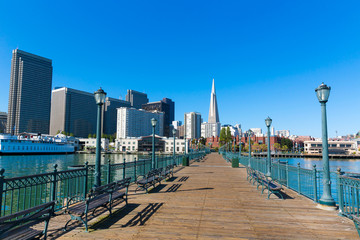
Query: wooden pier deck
x=211, y=200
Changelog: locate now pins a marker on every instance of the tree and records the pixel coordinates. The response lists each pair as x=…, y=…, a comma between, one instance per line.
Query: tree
x=222, y=136
x=286, y=142
x=72, y=135
x=277, y=146
x=228, y=135
x=263, y=147
x=90, y=135
x=256, y=147
x=284, y=148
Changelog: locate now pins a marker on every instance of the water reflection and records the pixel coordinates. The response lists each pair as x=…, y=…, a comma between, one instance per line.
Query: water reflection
x=35, y=164
x=347, y=165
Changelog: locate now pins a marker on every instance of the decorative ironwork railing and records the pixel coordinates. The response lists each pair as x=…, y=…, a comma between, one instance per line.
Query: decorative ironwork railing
x=20, y=193
x=306, y=182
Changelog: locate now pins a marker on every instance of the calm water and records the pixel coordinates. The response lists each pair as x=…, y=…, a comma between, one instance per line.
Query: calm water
x=33, y=164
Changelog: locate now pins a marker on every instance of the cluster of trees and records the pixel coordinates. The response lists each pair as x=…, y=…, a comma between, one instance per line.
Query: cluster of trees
x=285, y=145
x=65, y=133
x=111, y=137
x=225, y=136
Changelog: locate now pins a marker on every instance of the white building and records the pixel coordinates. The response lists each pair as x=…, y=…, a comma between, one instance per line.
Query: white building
x=176, y=124
x=210, y=129
x=192, y=123
x=234, y=131
x=129, y=144
x=272, y=131
x=91, y=143
x=335, y=147
x=179, y=145
x=283, y=133
x=133, y=122
x=257, y=132
x=239, y=130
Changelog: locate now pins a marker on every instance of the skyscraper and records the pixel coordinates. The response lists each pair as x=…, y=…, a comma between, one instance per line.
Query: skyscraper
x=213, y=110
x=192, y=125
x=213, y=126
x=167, y=106
x=29, y=93
x=74, y=111
x=137, y=99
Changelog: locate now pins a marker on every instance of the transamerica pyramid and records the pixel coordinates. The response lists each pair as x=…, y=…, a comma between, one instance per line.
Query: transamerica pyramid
x=213, y=111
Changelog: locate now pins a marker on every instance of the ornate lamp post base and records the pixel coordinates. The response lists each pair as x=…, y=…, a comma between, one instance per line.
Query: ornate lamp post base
x=326, y=207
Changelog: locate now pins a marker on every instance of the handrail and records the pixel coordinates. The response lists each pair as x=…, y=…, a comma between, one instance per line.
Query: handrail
x=21, y=193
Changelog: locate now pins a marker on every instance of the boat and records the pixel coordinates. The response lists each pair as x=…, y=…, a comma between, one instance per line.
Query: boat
x=28, y=143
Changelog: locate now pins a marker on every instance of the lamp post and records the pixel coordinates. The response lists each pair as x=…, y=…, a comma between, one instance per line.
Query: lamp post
x=174, y=134
x=322, y=93
x=249, y=136
x=100, y=96
x=240, y=149
x=153, y=123
x=268, y=122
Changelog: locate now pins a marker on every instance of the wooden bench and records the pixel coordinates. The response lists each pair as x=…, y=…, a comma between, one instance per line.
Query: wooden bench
x=168, y=172
x=148, y=180
x=271, y=186
x=102, y=196
x=19, y=225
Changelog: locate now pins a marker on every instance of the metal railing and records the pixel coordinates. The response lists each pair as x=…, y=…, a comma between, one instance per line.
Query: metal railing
x=21, y=193
x=304, y=181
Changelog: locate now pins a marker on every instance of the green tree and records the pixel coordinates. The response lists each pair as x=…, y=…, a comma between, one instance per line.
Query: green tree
x=255, y=147
x=222, y=136
x=286, y=142
x=90, y=135
x=228, y=135
x=277, y=146
x=72, y=135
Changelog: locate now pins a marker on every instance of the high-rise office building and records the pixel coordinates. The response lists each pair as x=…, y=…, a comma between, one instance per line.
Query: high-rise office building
x=136, y=99
x=192, y=125
x=3, y=120
x=167, y=106
x=29, y=93
x=132, y=122
x=75, y=111
x=213, y=126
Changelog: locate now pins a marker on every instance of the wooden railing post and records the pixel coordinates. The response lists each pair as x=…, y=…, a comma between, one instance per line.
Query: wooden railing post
x=1, y=187
x=53, y=183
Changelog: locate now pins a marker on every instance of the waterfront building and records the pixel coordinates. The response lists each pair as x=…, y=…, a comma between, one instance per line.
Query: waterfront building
x=283, y=133
x=180, y=131
x=257, y=132
x=3, y=120
x=239, y=130
x=29, y=93
x=162, y=144
x=210, y=129
x=167, y=106
x=192, y=125
x=136, y=99
x=90, y=143
x=233, y=130
x=335, y=147
x=75, y=111
x=133, y=122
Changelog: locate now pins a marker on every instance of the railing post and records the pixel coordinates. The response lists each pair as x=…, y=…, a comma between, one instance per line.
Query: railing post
x=135, y=170
x=109, y=172
x=1, y=187
x=340, y=191
x=53, y=183
x=86, y=178
x=315, y=183
x=124, y=163
x=287, y=173
x=299, y=184
x=278, y=177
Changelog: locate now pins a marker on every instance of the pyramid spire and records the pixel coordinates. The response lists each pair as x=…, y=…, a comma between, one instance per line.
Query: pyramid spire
x=213, y=110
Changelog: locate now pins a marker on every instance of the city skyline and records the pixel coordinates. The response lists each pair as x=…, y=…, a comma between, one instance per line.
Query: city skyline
x=267, y=63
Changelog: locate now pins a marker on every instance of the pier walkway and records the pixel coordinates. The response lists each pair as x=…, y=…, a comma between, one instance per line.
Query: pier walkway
x=211, y=200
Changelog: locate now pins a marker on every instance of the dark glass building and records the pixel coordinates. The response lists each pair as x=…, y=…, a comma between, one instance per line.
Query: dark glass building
x=167, y=106
x=29, y=93
x=75, y=111
x=136, y=99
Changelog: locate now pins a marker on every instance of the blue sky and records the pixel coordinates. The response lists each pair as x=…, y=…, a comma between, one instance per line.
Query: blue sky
x=267, y=57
